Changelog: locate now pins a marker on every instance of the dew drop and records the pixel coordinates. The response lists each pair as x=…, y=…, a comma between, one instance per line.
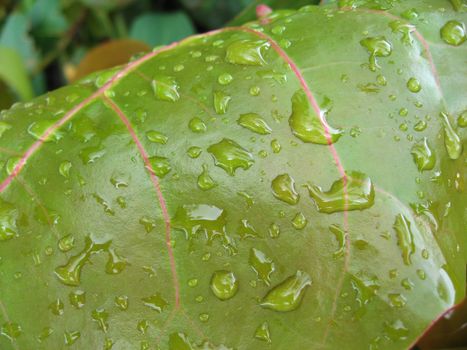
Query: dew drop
x=8, y=218
x=255, y=123
x=197, y=125
x=57, y=307
x=225, y=79
x=246, y=230
x=397, y=300
x=283, y=188
x=377, y=47
x=205, y=181
x=396, y=330
x=299, y=221
x=452, y=141
x=262, y=333
x=230, y=156
x=160, y=166
x=64, y=169
x=276, y=146
x=224, y=284
x=71, y=337
x=221, y=102
x=423, y=155
x=101, y=316
x=287, y=295
x=274, y=231
x=339, y=233
x=11, y=330
x=165, y=88
x=194, y=152
x=77, y=298
x=414, y=85
x=453, y=33
x=155, y=302
x=262, y=265
x=404, y=238
x=156, y=137
x=121, y=302
x=38, y=128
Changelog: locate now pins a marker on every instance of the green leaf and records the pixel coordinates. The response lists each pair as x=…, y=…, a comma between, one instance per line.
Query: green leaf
x=13, y=73
x=161, y=28
x=15, y=35
x=171, y=203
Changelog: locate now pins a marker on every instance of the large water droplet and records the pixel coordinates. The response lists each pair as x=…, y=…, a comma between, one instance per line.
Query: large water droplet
x=308, y=126
x=377, y=47
x=283, y=188
x=230, y=156
x=453, y=33
x=224, y=284
x=414, y=85
x=156, y=302
x=247, y=52
x=8, y=217
x=287, y=295
x=423, y=156
x=165, y=88
x=359, y=190
x=255, y=123
x=221, y=101
x=452, y=141
x=404, y=237
x=262, y=265
x=262, y=332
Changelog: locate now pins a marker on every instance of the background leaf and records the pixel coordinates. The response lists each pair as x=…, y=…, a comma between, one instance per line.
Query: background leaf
x=14, y=74
x=161, y=28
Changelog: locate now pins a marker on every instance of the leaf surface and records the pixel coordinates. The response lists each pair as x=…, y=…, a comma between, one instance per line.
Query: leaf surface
x=140, y=208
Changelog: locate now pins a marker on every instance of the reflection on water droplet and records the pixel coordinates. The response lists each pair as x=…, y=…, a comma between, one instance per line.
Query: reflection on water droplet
x=453, y=33
x=247, y=52
x=360, y=194
x=155, y=302
x=262, y=265
x=230, y=156
x=423, y=155
x=262, y=332
x=404, y=237
x=165, y=88
x=255, y=123
x=287, y=295
x=377, y=47
x=308, y=126
x=452, y=141
x=224, y=284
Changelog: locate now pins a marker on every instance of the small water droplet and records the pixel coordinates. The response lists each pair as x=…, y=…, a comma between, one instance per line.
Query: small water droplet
x=276, y=146
x=462, y=119
x=148, y=223
x=396, y=330
x=77, y=298
x=8, y=218
x=255, y=90
x=255, y=123
x=299, y=221
x=377, y=47
x=156, y=137
x=11, y=330
x=414, y=85
x=423, y=155
x=287, y=295
x=165, y=88
x=224, y=284
x=397, y=300
x=160, y=166
x=274, y=231
x=283, y=188
x=121, y=302
x=404, y=237
x=453, y=33
x=420, y=125
x=71, y=337
x=262, y=332
x=64, y=169
x=359, y=189
x=262, y=265
x=339, y=233
x=205, y=181
x=197, y=125
x=246, y=230
x=57, y=307
x=221, y=102
x=38, y=128
x=101, y=316
x=225, y=79
x=194, y=152
x=452, y=141
x=247, y=52
x=230, y=156
x=155, y=302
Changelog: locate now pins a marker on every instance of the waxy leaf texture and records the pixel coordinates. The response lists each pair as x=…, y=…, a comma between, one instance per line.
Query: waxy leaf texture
x=293, y=183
